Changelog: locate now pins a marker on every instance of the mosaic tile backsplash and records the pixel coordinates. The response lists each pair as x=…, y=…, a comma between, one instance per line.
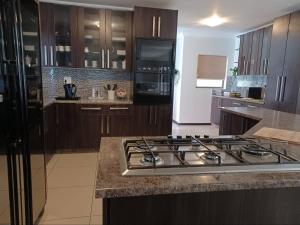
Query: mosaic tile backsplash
x=242, y=83
x=85, y=80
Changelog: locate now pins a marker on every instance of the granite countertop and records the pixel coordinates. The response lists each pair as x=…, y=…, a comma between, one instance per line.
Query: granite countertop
x=249, y=100
x=111, y=184
x=48, y=102
x=267, y=117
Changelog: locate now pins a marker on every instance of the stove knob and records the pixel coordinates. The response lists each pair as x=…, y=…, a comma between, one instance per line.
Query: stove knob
x=197, y=136
x=179, y=136
x=206, y=136
x=188, y=136
x=170, y=137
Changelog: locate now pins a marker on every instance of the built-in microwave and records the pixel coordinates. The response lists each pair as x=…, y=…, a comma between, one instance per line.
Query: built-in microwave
x=154, y=71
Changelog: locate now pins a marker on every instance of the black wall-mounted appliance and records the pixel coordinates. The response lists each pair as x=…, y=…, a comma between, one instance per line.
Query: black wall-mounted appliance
x=255, y=92
x=154, y=71
x=22, y=158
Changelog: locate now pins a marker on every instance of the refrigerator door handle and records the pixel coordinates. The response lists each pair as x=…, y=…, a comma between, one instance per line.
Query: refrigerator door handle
x=282, y=88
x=277, y=89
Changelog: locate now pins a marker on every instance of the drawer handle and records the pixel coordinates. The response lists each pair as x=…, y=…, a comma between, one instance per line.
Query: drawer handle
x=251, y=106
x=235, y=103
x=118, y=108
x=91, y=109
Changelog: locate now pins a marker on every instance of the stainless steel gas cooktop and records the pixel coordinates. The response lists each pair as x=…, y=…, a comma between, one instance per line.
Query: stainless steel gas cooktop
x=197, y=155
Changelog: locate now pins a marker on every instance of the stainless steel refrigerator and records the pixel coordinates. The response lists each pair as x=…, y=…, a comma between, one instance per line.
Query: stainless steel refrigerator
x=22, y=158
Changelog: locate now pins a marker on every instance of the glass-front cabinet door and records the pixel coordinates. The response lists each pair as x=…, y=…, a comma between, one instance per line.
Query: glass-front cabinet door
x=64, y=36
x=92, y=37
x=118, y=39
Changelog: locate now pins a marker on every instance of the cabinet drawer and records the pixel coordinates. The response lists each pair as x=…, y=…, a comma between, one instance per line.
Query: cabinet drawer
x=91, y=109
x=119, y=110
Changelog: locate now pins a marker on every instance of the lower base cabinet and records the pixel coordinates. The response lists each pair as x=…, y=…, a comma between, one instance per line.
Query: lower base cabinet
x=232, y=124
x=152, y=120
x=74, y=126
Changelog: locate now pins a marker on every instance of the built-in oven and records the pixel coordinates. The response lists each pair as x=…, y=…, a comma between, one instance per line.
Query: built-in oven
x=154, y=71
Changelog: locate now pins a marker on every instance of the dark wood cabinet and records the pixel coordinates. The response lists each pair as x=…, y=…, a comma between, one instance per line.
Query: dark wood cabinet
x=277, y=55
x=66, y=126
x=265, y=51
x=118, y=120
x=254, y=52
x=283, y=83
x=155, y=23
x=86, y=37
x=105, y=39
x=90, y=126
x=232, y=124
x=247, y=51
x=59, y=35
x=290, y=81
x=218, y=102
x=49, y=131
x=152, y=120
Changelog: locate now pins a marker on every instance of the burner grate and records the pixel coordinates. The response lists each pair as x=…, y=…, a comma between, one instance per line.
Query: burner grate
x=211, y=148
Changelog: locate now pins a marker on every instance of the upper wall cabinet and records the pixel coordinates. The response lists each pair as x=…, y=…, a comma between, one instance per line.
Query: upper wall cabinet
x=155, y=23
x=105, y=39
x=255, y=51
x=58, y=35
x=86, y=37
x=283, y=91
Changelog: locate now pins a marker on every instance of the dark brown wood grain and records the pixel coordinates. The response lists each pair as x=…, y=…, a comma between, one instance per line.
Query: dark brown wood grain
x=277, y=58
x=243, y=207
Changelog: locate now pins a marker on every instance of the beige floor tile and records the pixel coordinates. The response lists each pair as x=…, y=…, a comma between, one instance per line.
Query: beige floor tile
x=50, y=165
x=71, y=221
x=72, y=177
x=76, y=160
x=97, y=207
x=96, y=220
x=65, y=203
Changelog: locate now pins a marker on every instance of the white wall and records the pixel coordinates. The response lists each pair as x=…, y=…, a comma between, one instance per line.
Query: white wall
x=191, y=104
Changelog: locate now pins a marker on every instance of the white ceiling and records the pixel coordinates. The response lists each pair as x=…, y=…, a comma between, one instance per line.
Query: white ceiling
x=243, y=15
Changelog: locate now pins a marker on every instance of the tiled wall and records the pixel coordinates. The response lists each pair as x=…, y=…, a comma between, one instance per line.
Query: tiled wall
x=242, y=83
x=85, y=80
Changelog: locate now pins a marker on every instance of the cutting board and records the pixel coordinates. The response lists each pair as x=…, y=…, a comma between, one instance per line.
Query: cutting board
x=278, y=134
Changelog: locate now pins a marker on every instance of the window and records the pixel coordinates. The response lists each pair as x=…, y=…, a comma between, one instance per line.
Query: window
x=205, y=83
x=211, y=71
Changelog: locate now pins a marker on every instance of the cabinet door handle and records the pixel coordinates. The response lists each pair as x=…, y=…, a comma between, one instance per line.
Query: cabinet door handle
x=103, y=63
x=267, y=66
x=91, y=109
x=244, y=69
x=107, y=125
x=282, y=88
x=118, y=108
x=158, y=26
x=51, y=56
x=108, y=59
x=153, y=26
x=278, y=85
x=102, y=123
x=45, y=55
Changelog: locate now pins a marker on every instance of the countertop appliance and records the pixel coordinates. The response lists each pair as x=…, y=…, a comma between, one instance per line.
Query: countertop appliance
x=203, y=155
x=22, y=158
x=154, y=71
x=70, y=91
x=255, y=92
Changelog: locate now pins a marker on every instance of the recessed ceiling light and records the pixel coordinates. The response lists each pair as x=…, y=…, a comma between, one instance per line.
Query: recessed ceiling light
x=213, y=21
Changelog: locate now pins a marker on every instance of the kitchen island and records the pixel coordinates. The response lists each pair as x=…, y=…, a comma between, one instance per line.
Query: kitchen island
x=227, y=198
